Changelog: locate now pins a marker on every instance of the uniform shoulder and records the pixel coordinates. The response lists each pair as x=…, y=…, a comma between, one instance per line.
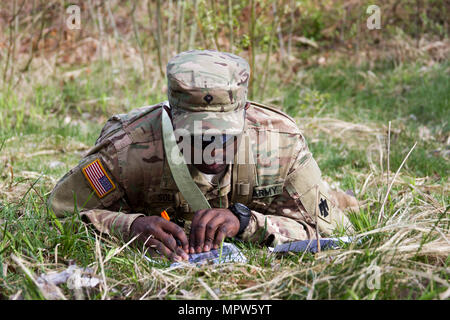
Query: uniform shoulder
x=141, y=124
x=263, y=116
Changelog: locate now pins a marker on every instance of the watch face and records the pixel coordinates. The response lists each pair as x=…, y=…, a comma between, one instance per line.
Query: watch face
x=242, y=209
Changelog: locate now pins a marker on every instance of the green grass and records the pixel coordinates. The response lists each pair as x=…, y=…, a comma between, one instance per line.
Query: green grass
x=411, y=96
x=405, y=247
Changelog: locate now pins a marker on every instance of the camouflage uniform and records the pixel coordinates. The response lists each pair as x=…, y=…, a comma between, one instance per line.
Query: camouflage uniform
x=282, y=185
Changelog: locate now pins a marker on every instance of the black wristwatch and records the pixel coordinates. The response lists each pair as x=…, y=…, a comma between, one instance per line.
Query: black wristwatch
x=242, y=213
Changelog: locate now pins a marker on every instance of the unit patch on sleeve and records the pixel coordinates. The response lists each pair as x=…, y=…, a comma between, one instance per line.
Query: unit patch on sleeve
x=98, y=178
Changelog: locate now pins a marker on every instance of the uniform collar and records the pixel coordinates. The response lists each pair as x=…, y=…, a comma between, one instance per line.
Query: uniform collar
x=211, y=191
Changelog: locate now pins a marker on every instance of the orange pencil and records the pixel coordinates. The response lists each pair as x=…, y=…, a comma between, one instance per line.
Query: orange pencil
x=165, y=215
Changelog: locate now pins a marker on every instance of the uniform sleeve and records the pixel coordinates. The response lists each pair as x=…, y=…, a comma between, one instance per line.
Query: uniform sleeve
x=281, y=222
x=304, y=204
x=92, y=189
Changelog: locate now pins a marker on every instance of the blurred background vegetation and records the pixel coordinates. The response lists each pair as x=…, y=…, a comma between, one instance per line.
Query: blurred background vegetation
x=126, y=45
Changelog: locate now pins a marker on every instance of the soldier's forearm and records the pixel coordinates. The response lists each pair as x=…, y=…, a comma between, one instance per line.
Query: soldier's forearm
x=272, y=230
x=110, y=222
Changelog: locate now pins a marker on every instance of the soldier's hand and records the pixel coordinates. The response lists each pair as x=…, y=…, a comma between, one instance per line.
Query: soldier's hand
x=160, y=235
x=209, y=228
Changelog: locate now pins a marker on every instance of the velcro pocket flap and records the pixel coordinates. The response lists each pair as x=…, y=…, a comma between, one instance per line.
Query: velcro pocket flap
x=305, y=184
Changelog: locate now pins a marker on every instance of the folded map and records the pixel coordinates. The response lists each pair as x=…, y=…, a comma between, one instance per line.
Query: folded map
x=311, y=245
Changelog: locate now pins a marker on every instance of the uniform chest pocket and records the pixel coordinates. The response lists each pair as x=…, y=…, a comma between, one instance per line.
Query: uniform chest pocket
x=165, y=198
x=157, y=202
x=263, y=196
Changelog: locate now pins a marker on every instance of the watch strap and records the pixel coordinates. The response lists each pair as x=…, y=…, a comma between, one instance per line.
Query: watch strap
x=244, y=219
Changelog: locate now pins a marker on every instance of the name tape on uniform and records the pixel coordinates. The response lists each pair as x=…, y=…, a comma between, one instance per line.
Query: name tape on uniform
x=267, y=191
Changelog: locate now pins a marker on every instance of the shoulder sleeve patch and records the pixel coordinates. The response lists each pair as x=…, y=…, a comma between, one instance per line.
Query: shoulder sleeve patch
x=97, y=177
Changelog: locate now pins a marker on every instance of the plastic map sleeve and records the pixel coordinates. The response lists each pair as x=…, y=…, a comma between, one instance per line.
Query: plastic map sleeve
x=229, y=253
x=311, y=245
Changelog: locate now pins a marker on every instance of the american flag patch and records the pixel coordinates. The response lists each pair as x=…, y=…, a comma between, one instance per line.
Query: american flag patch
x=98, y=178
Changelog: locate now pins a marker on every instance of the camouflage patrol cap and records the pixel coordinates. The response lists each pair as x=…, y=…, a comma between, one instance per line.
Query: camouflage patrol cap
x=208, y=90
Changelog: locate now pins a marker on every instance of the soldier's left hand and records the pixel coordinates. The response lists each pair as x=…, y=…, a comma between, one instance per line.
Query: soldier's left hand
x=210, y=227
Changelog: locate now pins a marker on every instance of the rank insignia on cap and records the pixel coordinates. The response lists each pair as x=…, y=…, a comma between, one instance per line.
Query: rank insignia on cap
x=98, y=178
x=208, y=98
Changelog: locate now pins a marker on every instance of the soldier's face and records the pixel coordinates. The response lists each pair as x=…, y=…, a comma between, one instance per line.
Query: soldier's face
x=216, y=152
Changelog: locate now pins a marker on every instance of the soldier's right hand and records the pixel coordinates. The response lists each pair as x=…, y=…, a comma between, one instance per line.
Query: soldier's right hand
x=160, y=235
